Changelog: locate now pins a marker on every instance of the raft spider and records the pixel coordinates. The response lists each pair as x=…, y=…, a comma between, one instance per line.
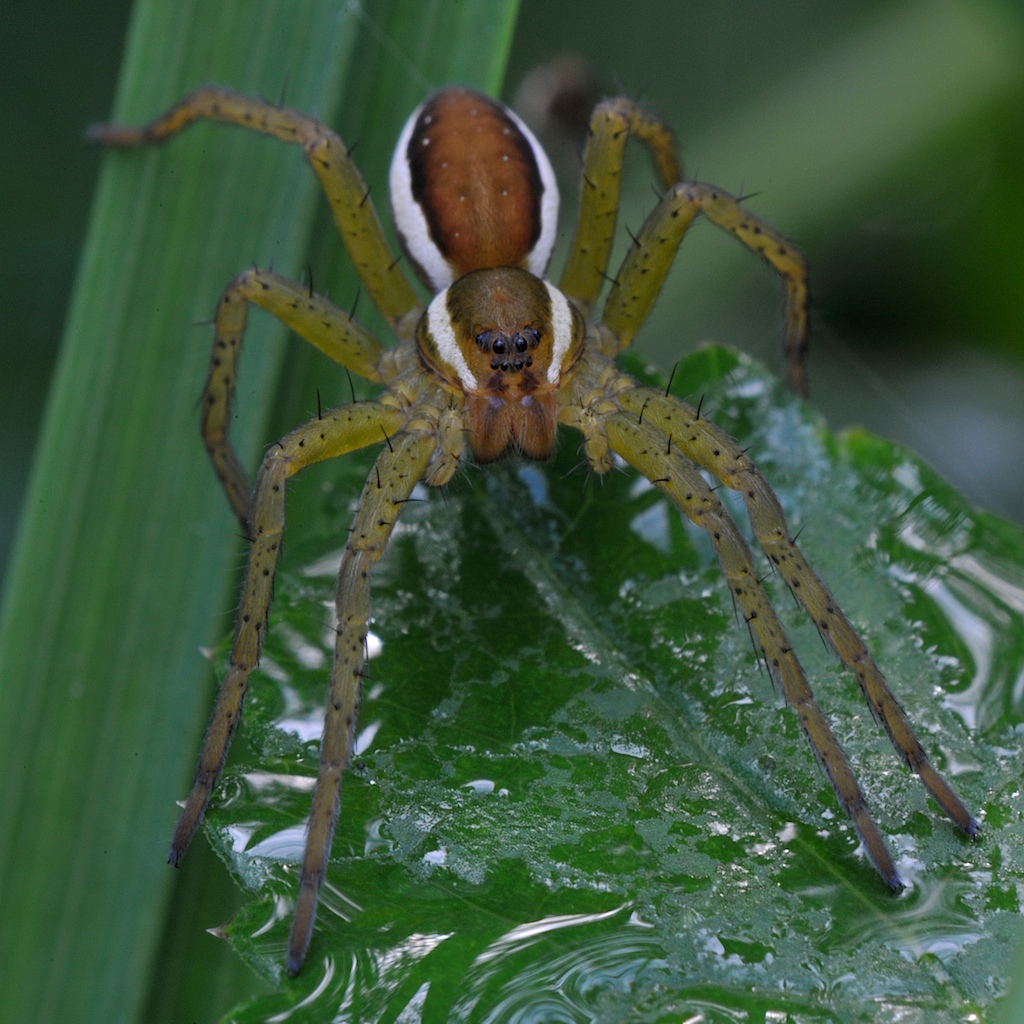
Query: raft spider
x=493, y=364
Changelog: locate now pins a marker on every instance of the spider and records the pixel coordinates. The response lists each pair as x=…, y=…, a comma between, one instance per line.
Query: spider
x=491, y=366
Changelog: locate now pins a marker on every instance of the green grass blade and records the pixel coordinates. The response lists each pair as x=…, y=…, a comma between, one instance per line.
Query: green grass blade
x=125, y=550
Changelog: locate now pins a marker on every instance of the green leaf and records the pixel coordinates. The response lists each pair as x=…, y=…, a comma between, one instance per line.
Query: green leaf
x=579, y=797
x=126, y=556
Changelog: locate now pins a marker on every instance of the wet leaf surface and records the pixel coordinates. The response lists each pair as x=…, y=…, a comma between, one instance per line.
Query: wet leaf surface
x=578, y=796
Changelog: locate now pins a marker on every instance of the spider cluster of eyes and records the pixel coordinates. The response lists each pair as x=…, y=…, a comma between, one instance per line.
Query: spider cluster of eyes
x=501, y=344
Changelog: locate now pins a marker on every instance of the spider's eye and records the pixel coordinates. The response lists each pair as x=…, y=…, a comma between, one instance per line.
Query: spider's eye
x=485, y=339
x=532, y=337
x=499, y=347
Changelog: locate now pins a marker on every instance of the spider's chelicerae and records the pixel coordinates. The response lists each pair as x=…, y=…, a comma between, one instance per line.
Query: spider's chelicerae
x=493, y=364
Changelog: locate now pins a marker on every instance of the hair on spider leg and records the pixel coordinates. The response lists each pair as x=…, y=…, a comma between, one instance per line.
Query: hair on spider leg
x=657, y=195
x=760, y=658
x=671, y=378
x=583, y=464
x=355, y=305
x=284, y=89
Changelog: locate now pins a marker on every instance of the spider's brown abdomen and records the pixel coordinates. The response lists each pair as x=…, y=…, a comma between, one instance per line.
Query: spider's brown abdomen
x=471, y=189
x=475, y=177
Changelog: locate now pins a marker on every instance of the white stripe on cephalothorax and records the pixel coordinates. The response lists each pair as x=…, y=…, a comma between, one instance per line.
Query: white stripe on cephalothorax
x=439, y=324
x=561, y=332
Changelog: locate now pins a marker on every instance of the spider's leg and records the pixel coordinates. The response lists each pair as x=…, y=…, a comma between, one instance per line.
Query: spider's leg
x=340, y=179
x=643, y=270
x=712, y=448
x=335, y=433
x=611, y=124
x=646, y=448
x=312, y=317
x=399, y=467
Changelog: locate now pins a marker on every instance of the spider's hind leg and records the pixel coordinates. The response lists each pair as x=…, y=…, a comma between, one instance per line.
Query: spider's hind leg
x=612, y=123
x=342, y=184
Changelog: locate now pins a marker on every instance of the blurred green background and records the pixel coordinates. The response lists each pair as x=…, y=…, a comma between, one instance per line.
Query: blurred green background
x=885, y=137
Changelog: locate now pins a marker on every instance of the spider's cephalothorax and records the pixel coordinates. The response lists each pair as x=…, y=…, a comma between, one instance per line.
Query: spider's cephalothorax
x=505, y=339
x=494, y=362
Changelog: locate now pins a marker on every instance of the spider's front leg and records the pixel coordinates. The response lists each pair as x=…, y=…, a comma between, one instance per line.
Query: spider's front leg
x=313, y=318
x=711, y=447
x=343, y=185
x=666, y=439
x=336, y=433
x=399, y=467
x=648, y=449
